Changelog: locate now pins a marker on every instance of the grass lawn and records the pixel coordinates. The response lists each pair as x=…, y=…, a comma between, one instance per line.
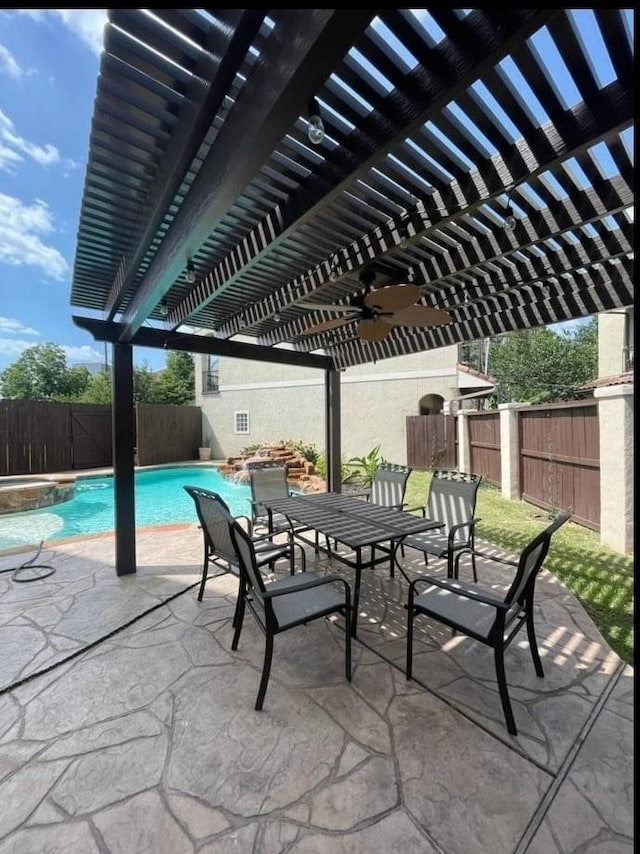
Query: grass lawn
x=600, y=578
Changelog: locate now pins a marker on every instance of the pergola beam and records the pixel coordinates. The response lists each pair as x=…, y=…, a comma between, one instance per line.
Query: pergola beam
x=291, y=68
x=107, y=330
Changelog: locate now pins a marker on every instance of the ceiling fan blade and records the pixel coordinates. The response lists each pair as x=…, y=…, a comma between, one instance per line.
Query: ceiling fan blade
x=321, y=306
x=392, y=297
x=373, y=330
x=317, y=328
x=419, y=315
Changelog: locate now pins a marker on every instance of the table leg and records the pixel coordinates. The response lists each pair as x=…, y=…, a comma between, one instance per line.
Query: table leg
x=356, y=593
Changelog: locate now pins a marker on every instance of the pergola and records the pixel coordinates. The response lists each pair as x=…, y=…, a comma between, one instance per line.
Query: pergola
x=485, y=155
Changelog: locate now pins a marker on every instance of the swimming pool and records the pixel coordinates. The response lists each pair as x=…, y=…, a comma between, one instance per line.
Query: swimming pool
x=160, y=500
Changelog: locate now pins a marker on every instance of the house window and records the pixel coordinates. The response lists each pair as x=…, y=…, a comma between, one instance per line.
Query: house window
x=241, y=421
x=210, y=383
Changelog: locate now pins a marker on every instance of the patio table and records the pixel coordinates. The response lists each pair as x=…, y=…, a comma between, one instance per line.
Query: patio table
x=355, y=523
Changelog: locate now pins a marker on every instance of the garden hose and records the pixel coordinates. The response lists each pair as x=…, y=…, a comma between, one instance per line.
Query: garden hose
x=28, y=568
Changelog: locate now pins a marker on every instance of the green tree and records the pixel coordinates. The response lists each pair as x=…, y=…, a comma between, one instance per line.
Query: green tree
x=176, y=383
x=76, y=381
x=144, y=384
x=540, y=365
x=98, y=389
x=41, y=373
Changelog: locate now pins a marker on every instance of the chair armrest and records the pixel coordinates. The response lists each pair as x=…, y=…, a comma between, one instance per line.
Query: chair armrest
x=248, y=522
x=467, y=594
x=413, y=509
x=268, y=536
x=366, y=495
x=306, y=585
x=455, y=528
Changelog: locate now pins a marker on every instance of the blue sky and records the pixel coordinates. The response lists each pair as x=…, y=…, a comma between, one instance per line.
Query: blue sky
x=49, y=62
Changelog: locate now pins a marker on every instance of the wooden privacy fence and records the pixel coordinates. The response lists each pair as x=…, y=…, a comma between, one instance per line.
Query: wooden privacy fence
x=559, y=455
x=39, y=436
x=167, y=433
x=431, y=441
x=484, y=444
x=560, y=458
x=42, y=436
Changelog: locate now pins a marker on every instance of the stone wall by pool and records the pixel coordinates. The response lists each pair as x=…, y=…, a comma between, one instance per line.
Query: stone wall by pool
x=32, y=493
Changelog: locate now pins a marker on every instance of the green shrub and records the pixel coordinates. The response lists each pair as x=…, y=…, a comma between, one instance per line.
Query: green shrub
x=308, y=450
x=364, y=468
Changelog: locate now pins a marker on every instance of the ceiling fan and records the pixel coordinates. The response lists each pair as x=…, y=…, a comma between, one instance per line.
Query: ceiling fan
x=378, y=311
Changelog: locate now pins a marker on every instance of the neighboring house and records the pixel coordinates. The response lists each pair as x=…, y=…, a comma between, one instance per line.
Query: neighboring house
x=245, y=402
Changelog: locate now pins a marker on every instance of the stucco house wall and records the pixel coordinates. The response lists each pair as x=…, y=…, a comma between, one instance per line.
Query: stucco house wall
x=615, y=338
x=285, y=402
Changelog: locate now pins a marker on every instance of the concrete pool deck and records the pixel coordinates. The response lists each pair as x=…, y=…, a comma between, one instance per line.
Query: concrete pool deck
x=130, y=726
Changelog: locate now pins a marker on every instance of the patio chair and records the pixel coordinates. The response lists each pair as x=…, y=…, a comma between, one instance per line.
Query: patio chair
x=451, y=500
x=489, y=618
x=286, y=603
x=268, y=483
x=215, y=518
x=389, y=485
x=388, y=489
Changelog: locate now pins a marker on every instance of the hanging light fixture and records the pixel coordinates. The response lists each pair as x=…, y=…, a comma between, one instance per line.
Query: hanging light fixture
x=509, y=219
x=315, y=126
x=164, y=308
x=191, y=273
x=403, y=230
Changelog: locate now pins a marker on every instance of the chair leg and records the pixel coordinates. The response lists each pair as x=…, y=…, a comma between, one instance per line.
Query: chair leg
x=504, y=692
x=237, y=619
x=452, y=566
x=533, y=644
x=473, y=566
x=266, y=670
x=236, y=612
x=409, y=643
x=347, y=641
x=205, y=572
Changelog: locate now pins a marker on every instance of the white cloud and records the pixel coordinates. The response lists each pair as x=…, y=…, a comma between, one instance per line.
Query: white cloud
x=86, y=24
x=10, y=326
x=14, y=346
x=13, y=146
x=9, y=64
x=20, y=243
x=85, y=353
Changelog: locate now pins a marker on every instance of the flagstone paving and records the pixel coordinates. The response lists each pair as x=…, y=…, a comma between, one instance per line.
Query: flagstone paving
x=127, y=722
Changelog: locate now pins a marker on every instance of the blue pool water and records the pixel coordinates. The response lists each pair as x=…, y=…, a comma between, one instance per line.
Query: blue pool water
x=159, y=499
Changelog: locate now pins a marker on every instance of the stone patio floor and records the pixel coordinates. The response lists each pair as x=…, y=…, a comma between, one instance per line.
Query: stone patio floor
x=127, y=722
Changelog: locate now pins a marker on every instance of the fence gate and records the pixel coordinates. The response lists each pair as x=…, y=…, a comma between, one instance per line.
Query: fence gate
x=91, y=435
x=431, y=441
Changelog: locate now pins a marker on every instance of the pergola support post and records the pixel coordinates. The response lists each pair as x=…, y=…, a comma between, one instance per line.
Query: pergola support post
x=333, y=440
x=123, y=458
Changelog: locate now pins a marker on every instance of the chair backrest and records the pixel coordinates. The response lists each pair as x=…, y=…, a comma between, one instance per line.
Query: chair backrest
x=267, y=483
x=246, y=559
x=215, y=519
x=389, y=485
x=531, y=560
x=452, y=499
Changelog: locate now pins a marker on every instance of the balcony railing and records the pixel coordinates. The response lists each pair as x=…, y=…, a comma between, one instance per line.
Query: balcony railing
x=210, y=382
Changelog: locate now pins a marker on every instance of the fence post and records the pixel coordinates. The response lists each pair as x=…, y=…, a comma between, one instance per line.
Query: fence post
x=615, y=418
x=464, y=446
x=509, y=451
